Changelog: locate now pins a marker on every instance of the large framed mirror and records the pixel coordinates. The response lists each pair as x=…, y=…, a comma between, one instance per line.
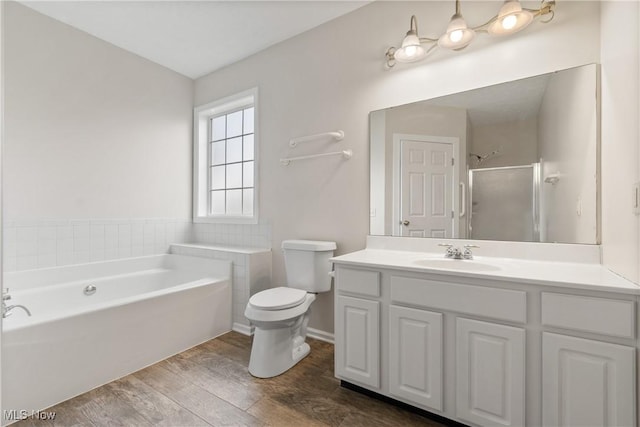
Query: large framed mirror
x=518, y=161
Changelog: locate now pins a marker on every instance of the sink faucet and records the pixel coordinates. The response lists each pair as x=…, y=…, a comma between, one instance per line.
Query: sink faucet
x=6, y=310
x=456, y=253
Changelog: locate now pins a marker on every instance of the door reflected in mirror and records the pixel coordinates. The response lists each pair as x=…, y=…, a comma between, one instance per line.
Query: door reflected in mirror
x=515, y=161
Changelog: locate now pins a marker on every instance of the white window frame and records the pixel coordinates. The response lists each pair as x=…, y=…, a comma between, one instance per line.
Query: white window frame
x=201, y=117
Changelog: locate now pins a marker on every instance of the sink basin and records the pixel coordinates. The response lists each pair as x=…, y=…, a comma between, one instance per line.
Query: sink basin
x=457, y=264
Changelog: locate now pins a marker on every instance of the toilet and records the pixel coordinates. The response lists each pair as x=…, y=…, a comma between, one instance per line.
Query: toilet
x=280, y=315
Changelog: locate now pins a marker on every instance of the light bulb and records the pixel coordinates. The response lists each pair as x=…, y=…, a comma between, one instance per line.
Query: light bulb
x=455, y=36
x=410, y=51
x=509, y=22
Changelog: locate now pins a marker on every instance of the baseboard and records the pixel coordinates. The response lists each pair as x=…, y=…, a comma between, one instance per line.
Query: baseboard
x=242, y=329
x=320, y=335
x=311, y=332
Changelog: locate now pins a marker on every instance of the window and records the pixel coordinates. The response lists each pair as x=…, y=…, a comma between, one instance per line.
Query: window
x=225, y=160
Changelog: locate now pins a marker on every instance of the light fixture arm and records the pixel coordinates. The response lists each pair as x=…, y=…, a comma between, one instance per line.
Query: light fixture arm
x=546, y=8
x=413, y=25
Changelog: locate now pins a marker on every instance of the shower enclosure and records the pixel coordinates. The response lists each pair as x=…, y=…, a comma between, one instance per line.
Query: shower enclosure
x=505, y=203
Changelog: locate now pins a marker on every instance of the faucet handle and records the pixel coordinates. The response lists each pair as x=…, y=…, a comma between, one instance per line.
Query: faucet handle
x=5, y=294
x=467, y=251
x=451, y=252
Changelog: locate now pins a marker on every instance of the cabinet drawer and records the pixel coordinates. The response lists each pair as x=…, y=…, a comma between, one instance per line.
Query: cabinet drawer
x=363, y=282
x=504, y=304
x=588, y=314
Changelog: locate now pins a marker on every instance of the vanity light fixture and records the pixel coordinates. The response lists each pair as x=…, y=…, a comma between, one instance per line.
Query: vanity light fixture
x=511, y=18
x=458, y=35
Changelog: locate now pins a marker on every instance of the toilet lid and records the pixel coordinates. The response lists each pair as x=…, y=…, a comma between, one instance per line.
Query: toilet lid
x=278, y=298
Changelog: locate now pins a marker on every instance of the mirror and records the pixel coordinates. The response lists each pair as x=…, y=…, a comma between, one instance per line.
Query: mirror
x=517, y=161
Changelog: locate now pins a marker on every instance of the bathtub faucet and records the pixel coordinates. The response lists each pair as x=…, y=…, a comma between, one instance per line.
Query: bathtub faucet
x=6, y=310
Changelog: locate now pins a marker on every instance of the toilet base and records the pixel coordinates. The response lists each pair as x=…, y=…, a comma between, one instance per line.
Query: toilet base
x=274, y=350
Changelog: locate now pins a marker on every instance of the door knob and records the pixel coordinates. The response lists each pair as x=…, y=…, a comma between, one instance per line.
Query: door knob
x=405, y=223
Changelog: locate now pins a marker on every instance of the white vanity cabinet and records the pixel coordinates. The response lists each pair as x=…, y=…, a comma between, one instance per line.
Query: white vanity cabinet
x=588, y=382
x=490, y=373
x=415, y=356
x=357, y=349
x=357, y=320
x=487, y=352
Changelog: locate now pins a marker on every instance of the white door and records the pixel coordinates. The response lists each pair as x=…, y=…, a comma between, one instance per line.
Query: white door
x=426, y=183
x=587, y=382
x=357, y=339
x=490, y=381
x=415, y=356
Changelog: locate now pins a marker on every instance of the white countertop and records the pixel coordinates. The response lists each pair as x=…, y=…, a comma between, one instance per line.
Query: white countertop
x=547, y=273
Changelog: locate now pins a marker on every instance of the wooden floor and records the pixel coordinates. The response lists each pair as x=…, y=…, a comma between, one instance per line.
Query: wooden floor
x=210, y=385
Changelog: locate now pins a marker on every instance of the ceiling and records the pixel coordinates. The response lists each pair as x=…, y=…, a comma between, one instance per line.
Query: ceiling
x=194, y=38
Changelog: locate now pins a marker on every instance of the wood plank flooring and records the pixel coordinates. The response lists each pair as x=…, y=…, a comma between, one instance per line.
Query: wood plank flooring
x=209, y=385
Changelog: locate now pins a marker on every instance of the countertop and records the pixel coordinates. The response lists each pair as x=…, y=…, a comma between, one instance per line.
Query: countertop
x=547, y=273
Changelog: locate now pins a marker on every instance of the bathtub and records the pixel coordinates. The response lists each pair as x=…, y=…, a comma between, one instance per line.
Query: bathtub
x=142, y=311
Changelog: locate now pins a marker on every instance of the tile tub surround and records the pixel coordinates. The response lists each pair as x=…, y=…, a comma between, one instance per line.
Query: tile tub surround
x=247, y=235
x=50, y=243
x=251, y=273
x=37, y=244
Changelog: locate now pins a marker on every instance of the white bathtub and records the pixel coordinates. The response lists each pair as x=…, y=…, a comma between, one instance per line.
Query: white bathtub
x=144, y=310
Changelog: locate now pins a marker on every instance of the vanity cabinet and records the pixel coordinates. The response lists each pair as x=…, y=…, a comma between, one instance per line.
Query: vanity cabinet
x=490, y=373
x=487, y=352
x=357, y=320
x=415, y=356
x=587, y=382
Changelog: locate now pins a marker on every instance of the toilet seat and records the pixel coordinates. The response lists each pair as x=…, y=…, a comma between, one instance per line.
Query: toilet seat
x=280, y=298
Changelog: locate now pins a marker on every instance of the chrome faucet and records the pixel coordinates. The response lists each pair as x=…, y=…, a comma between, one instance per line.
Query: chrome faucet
x=6, y=310
x=456, y=253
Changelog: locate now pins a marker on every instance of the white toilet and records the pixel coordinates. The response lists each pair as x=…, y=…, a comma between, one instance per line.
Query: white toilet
x=280, y=315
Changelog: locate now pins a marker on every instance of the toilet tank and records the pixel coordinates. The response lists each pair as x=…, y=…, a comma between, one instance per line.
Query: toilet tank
x=307, y=264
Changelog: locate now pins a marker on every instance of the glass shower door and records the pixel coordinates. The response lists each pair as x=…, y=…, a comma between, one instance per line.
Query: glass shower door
x=504, y=203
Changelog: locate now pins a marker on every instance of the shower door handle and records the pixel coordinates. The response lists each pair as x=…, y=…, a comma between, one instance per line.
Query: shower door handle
x=463, y=202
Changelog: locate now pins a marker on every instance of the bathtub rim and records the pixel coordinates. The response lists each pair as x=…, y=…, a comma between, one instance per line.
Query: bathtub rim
x=223, y=275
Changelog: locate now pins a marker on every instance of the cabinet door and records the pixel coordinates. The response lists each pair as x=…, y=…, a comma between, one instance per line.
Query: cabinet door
x=357, y=348
x=415, y=356
x=586, y=382
x=490, y=381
